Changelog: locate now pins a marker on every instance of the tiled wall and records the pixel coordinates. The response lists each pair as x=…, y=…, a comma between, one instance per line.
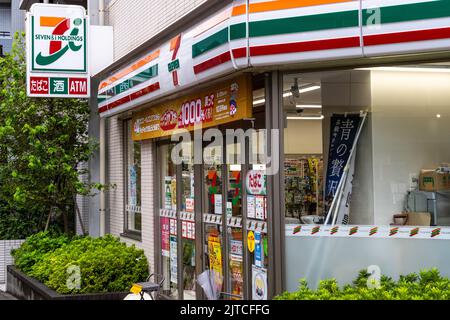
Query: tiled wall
x=116, y=197
x=136, y=21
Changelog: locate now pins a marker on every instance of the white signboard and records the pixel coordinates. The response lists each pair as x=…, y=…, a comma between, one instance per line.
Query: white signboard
x=57, y=51
x=256, y=182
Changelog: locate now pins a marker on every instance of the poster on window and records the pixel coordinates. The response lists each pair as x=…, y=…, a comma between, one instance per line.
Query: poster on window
x=237, y=278
x=215, y=259
x=173, y=260
x=165, y=237
x=260, y=207
x=259, y=283
x=189, y=204
x=184, y=229
x=251, y=203
x=168, y=193
x=218, y=204
x=173, y=227
x=132, y=186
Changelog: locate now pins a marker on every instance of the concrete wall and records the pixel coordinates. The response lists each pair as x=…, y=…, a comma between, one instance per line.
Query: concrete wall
x=116, y=197
x=407, y=135
x=136, y=21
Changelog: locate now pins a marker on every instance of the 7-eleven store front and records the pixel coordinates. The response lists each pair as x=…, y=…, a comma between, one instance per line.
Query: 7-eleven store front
x=199, y=194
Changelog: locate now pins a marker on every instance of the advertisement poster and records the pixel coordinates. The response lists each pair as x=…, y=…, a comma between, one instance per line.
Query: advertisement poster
x=260, y=207
x=237, y=278
x=215, y=258
x=184, y=229
x=189, y=205
x=258, y=250
x=223, y=103
x=168, y=193
x=174, y=193
x=236, y=250
x=173, y=227
x=218, y=204
x=251, y=203
x=188, y=230
x=229, y=209
x=165, y=237
x=132, y=186
x=173, y=260
x=259, y=283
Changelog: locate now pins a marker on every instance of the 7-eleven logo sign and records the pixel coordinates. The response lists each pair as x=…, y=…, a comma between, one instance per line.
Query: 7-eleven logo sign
x=58, y=41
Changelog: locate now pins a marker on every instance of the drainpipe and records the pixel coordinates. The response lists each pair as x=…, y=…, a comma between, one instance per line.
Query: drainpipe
x=102, y=136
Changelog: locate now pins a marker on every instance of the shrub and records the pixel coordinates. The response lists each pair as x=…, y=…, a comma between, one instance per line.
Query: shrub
x=427, y=285
x=35, y=247
x=106, y=264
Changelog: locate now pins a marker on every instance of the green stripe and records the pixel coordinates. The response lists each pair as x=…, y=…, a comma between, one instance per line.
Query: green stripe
x=410, y=12
x=129, y=83
x=213, y=41
x=237, y=31
x=310, y=23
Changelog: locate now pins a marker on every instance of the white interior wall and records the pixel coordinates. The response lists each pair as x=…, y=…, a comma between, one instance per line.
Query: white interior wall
x=407, y=135
x=303, y=137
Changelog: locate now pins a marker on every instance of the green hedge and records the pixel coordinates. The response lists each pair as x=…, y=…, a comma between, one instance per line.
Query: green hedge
x=427, y=285
x=106, y=264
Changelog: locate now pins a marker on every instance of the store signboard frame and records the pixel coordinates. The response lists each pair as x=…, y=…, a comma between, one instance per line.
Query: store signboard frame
x=57, y=51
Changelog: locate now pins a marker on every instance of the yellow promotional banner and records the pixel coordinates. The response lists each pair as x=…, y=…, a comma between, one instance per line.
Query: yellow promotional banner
x=221, y=104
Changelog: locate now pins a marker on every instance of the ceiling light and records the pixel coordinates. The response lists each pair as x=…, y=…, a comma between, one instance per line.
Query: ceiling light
x=309, y=106
x=306, y=118
x=260, y=101
x=407, y=69
x=302, y=90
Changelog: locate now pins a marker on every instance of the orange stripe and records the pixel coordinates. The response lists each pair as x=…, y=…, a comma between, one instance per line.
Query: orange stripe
x=130, y=69
x=281, y=5
x=50, y=21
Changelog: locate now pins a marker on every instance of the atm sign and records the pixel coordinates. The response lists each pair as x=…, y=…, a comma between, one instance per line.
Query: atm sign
x=58, y=87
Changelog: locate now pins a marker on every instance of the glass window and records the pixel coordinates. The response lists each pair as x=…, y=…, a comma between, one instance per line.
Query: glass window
x=133, y=181
x=368, y=146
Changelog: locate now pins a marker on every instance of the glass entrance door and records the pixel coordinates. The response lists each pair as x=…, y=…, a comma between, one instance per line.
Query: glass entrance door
x=234, y=215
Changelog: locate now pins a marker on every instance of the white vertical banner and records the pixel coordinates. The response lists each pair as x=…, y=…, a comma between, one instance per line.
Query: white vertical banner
x=343, y=211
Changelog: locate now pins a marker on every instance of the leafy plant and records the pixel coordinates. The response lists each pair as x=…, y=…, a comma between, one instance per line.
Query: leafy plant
x=427, y=285
x=42, y=143
x=105, y=264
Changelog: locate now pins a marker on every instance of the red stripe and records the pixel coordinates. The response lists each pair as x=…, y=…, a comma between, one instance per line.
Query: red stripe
x=408, y=36
x=305, y=46
x=133, y=96
x=218, y=60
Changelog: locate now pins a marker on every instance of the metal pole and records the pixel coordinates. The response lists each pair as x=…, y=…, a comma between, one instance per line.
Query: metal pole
x=102, y=136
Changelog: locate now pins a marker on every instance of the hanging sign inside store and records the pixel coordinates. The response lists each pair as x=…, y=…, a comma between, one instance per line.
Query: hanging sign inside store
x=57, y=52
x=256, y=182
x=221, y=104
